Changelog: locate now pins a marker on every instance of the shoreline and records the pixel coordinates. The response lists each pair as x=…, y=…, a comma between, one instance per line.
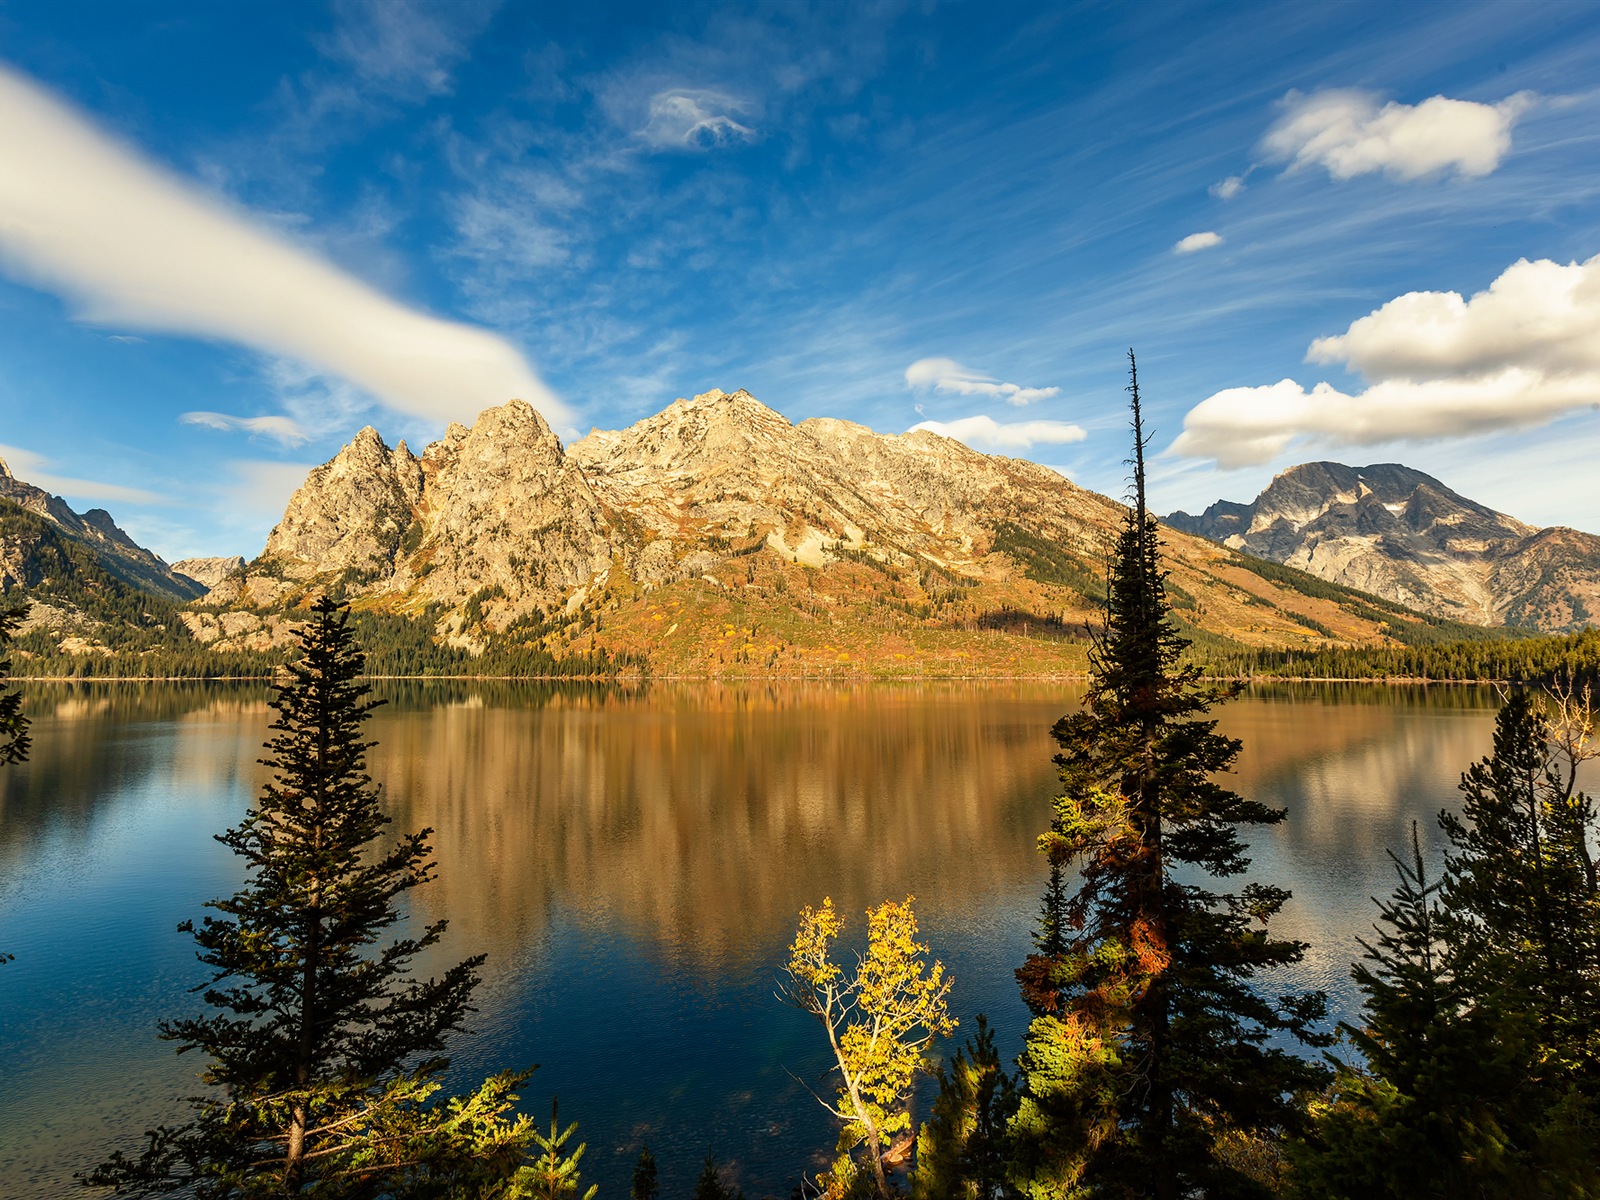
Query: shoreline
x=1054, y=677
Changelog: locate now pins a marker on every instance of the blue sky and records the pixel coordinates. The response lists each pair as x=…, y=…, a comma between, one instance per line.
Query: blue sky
x=230, y=235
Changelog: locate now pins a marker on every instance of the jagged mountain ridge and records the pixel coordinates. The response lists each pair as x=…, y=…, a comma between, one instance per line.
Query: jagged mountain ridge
x=1403, y=535
x=718, y=532
x=114, y=550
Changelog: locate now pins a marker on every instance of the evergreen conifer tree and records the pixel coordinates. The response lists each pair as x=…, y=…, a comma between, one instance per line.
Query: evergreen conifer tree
x=14, y=740
x=1431, y=1113
x=646, y=1177
x=1151, y=1043
x=324, y=1052
x=1520, y=888
x=961, y=1148
x=554, y=1174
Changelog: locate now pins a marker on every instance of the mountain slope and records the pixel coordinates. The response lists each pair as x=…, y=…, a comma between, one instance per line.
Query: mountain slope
x=716, y=536
x=1403, y=535
x=111, y=548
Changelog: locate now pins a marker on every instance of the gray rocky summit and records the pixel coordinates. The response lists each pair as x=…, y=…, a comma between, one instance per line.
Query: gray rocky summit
x=1403, y=535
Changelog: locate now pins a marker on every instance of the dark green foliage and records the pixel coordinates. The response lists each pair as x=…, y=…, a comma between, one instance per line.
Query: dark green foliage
x=554, y=1174
x=710, y=1185
x=1507, y=657
x=1521, y=885
x=962, y=1147
x=1482, y=994
x=1045, y=562
x=14, y=740
x=324, y=1052
x=1152, y=1044
x=1433, y=1112
x=646, y=1180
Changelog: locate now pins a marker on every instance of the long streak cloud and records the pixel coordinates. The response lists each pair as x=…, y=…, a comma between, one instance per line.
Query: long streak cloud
x=131, y=245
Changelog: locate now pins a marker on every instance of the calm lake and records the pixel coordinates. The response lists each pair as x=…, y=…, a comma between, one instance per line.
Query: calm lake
x=632, y=863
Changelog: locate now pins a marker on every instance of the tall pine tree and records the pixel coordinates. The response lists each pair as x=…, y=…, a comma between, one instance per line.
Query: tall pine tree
x=325, y=1053
x=1152, y=1046
x=1431, y=1112
x=1520, y=887
x=14, y=740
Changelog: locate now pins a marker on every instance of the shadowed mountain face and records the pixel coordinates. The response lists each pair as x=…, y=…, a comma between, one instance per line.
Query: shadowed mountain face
x=112, y=549
x=1403, y=535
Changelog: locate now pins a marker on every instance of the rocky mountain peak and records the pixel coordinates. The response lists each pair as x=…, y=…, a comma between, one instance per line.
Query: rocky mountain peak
x=350, y=510
x=1402, y=534
x=115, y=551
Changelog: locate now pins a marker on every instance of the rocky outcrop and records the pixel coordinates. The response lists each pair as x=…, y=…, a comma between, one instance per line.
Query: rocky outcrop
x=1403, y=535
x=115, y=551
x=209, y=572
x=350, y=512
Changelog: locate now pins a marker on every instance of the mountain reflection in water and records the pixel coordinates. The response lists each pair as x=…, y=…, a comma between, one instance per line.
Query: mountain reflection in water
x=633, y=862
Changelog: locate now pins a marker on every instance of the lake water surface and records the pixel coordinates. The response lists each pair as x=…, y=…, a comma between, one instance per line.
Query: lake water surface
x=632, y=862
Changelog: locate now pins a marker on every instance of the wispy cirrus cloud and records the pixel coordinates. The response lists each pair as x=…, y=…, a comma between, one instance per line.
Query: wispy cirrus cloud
x=406, y=48
x=985, y=433
x=285, y=430
x=1519, y=354
x=1349, y=132
x=947, y=375
x=132, y=245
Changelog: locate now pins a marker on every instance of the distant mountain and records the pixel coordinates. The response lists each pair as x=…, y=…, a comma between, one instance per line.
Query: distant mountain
x=718, y=537
x=112, y=549
x=1403, y=535
x=208, y=572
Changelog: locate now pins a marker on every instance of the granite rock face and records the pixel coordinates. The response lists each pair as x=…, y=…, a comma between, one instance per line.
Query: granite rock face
x=208, y=572
x=1403, y=535
x=502, y=515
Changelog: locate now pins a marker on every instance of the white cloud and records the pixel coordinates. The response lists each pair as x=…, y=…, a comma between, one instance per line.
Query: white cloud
x=695, y=119
x=34, y=468
x=1520, y=354
x=985, y=433
x=135, y=246
x=1197, y=241
x=284, y=429
x=404, y=47
x=950, y=376
x=1228, y=188
x=1350, y=133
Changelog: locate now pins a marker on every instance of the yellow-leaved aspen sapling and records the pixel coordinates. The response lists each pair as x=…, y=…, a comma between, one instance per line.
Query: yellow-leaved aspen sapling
x=879, y=1021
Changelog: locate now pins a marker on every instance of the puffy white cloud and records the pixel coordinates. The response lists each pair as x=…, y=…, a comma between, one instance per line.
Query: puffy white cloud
x=1350, y=133
x=1197, y=241
x=947, y=375
x=985, y=433
x=1228, y=188
x=694, y=119
x=284, y=429
x=35, y=469
x=134, y=246
x=1521, y=353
